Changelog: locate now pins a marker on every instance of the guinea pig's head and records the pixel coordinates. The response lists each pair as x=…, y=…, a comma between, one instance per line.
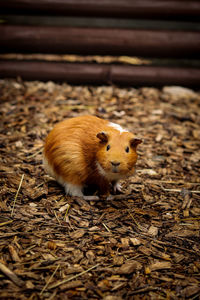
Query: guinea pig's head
x=116, y=155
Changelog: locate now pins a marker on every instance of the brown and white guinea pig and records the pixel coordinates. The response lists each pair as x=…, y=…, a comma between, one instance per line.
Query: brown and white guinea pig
x=87, y=150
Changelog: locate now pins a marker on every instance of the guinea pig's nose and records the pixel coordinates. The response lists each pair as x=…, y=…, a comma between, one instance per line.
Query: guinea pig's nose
x=115, y=163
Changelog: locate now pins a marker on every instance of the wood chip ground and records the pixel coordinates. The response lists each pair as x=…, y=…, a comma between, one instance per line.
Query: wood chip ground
x=144, y=244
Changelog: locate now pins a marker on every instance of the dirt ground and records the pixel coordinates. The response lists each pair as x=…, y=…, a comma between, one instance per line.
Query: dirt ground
x=144, y=244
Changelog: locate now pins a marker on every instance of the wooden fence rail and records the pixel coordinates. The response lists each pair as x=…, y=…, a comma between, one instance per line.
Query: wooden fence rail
x=153, y=9
x=149, y=43
x=77, y=73
x=144, y=42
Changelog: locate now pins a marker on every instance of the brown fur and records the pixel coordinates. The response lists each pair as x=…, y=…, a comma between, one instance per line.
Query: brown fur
x=73, y=150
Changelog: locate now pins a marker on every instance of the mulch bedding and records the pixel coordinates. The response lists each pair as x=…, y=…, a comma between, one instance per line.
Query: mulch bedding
x=143, y=244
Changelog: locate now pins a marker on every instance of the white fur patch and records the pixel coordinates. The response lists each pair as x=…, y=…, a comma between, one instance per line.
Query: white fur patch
x=70, y=189
x=48, y=168
x=117, y=127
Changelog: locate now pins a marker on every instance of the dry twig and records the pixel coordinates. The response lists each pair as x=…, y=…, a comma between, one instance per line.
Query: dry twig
x=73, y=277
x=19, y=187
x=46, y=285
x=11, y=275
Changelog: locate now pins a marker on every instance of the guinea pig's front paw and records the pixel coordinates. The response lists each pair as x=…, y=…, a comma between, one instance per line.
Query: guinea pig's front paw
x=117, y=188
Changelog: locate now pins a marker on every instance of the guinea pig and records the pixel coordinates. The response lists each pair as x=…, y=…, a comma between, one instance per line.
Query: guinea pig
x=88, y=150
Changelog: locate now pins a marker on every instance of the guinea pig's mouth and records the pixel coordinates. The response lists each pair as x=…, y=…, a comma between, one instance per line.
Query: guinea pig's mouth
x=115, y=171
x=111, y=173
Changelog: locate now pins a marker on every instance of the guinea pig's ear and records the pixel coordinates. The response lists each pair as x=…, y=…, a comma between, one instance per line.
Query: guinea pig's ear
x=103, y=136
x=135, y=142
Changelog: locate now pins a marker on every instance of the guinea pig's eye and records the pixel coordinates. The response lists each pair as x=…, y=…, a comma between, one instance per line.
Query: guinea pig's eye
x=108, y=148
x=127, y=149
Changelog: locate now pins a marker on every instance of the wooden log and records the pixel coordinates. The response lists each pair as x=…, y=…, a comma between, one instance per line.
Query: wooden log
x=173, y=9
x=101, y=74
x=149, y=43
x=156, y=75
x=72, y=73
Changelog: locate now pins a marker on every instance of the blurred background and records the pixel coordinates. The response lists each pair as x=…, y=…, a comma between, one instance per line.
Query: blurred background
x=101, y=42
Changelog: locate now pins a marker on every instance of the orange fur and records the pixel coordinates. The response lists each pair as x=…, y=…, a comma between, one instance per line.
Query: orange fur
x=75, y=155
